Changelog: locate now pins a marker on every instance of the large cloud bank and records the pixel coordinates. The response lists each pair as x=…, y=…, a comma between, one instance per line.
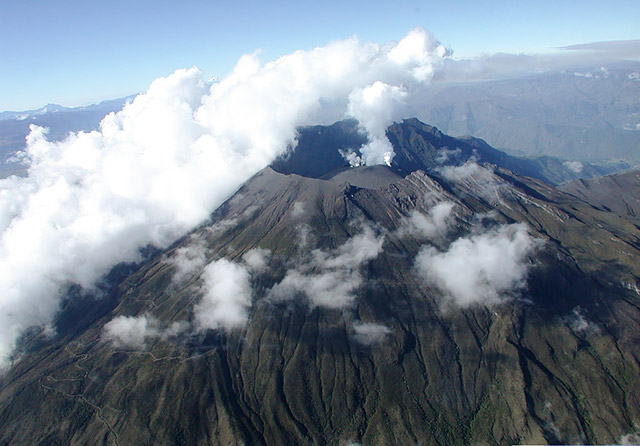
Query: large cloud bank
x=172, y=155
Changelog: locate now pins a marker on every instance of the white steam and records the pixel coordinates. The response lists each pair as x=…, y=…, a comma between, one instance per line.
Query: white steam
x=171, y=156
x=376, y=107
x=484, y=268
x=331, y=279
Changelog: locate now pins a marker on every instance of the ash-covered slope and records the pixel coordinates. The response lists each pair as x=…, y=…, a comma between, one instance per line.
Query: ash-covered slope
x=379, y=305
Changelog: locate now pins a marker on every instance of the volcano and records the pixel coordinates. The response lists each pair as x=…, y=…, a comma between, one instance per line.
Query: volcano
x=454, y=297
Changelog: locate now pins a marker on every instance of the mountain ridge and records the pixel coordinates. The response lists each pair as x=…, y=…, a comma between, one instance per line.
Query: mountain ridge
x=346, y=336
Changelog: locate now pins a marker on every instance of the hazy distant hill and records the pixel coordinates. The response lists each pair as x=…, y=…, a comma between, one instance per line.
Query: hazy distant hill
x=582, y=114
x=619, y=193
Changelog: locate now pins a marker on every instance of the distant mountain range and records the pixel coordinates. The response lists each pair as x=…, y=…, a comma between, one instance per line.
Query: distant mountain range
x=110, y=105
x=585, y=120
x=446, y=299
x=585, y=114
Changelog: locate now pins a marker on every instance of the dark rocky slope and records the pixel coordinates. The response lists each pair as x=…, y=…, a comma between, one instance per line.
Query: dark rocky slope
x=556, y=363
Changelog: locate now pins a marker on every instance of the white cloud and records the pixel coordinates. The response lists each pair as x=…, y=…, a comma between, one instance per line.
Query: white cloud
x=483, y=268
x=226, y=296
x=330, y=289
x=503, y=66
x=188, y=260
x=257, y=259
x=630, y=439
x=370, y=333
x=435, y=224
x=574, y=166
x=175, y=329
x=476, y=178
x=298, y=209
x=171, y=156
x=470, y=169
x=136, y=331
x=354, y=252
x=445, y=154
x=128, y=331
x=330, y=279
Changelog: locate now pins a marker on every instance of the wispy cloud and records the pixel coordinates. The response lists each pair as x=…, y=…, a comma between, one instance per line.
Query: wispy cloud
x=135, y=331
x=188, y=260
x=257, y=259
x=630, y=439
x=579, y=323
x=129, y=331
x=370, y=333
x=475, y=178
x=330, y=278
x=434, y=224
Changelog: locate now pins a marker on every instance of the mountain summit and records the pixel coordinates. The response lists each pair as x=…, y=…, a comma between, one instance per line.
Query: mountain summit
x=444, y=299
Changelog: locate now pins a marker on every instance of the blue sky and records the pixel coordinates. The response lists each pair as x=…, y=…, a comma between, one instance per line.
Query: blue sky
x=78, y=52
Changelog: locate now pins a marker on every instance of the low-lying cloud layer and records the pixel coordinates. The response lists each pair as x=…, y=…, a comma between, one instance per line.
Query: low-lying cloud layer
x=171, y=156
x=484, y=268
